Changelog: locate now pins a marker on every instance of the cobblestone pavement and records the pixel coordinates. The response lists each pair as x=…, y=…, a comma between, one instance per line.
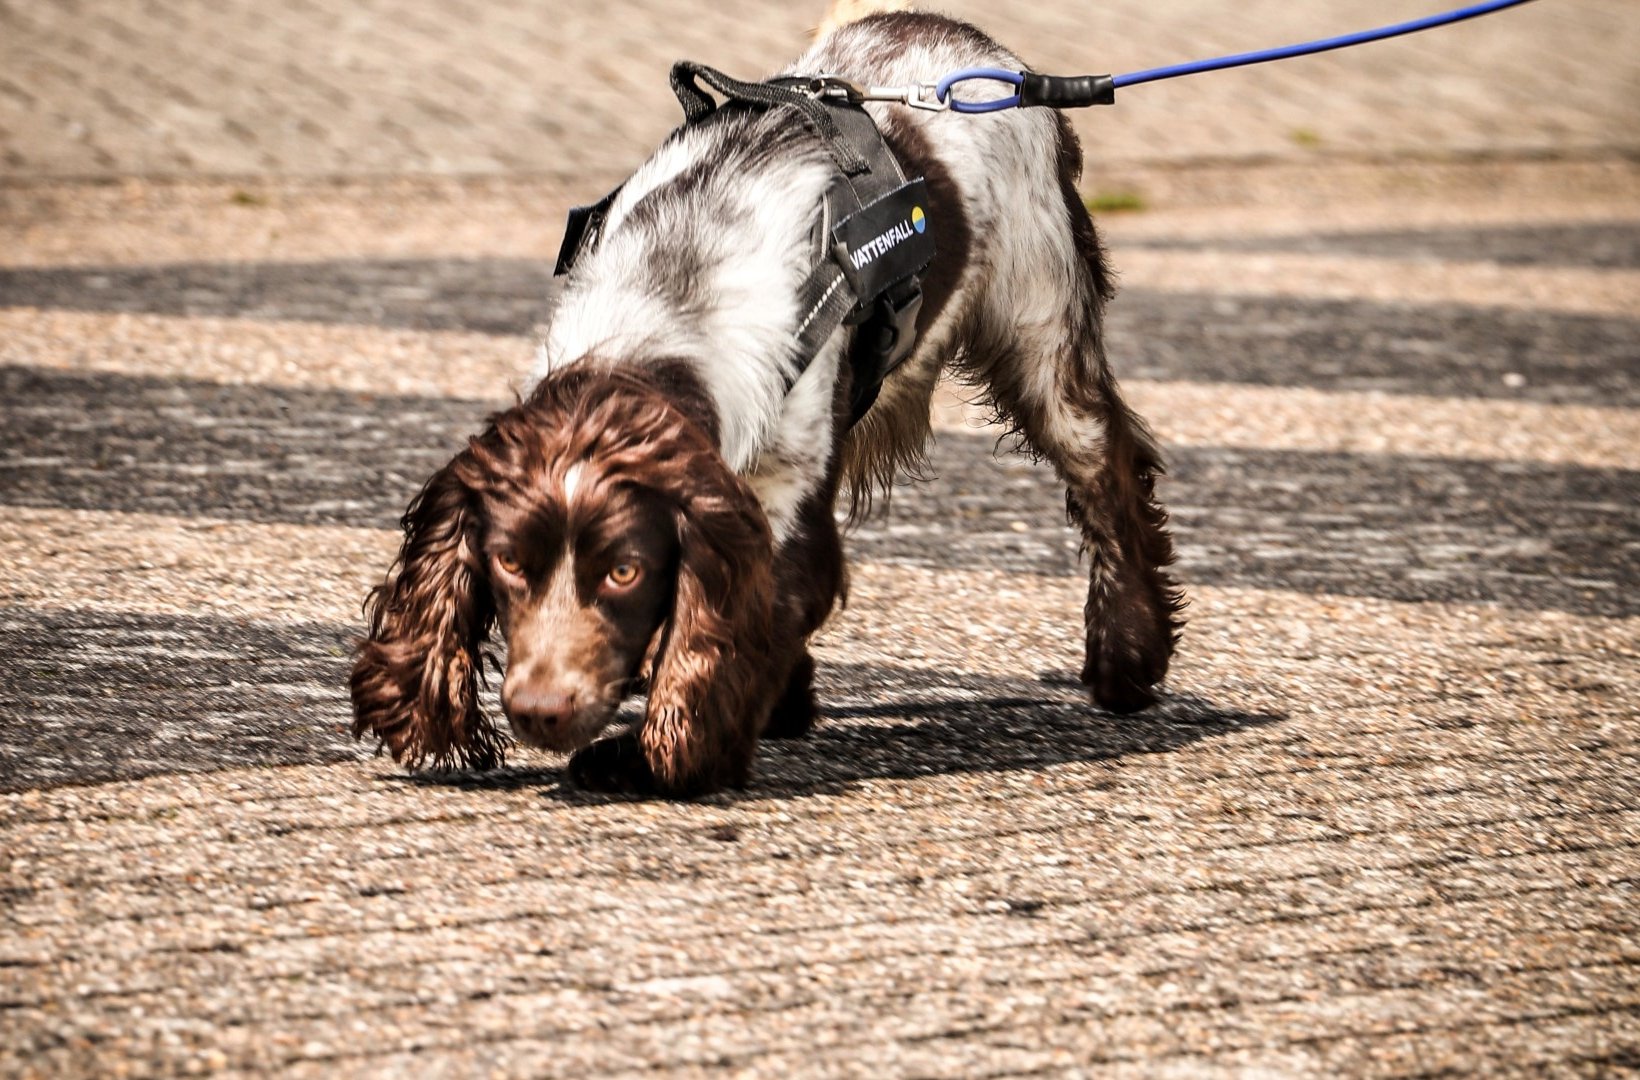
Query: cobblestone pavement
x=1384, y=823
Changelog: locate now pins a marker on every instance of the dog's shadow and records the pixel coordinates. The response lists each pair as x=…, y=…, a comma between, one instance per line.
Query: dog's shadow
x=882, y=722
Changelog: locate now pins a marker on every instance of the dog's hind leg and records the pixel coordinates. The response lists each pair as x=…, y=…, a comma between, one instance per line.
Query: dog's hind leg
x=1041, y=355
x=1075, y=419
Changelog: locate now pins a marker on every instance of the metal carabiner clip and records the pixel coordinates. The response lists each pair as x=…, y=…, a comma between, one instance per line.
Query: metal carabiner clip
x=925, y=96
x=917, y=95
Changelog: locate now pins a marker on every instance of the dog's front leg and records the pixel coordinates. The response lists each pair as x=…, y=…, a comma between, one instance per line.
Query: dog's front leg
x=676, y=752
x=809, y=580
x=699, y=734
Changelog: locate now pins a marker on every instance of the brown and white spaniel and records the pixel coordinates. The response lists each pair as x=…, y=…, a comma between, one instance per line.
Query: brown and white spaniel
x=659, y=511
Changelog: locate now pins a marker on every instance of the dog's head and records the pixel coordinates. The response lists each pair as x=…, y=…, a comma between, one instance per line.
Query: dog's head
x=596, y=526
x=581, y=582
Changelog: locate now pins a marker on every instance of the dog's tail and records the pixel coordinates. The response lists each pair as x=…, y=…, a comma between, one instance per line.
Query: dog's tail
x=846, y=11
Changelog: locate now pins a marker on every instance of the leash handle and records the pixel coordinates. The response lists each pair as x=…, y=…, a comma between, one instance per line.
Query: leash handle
x=1048, y=91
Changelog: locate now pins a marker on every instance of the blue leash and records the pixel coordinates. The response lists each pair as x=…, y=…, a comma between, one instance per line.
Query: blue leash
x=1070, y=92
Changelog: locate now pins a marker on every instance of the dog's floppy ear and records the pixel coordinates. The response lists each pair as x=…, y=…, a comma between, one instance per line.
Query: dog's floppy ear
x=416, y=677
x=711, y=686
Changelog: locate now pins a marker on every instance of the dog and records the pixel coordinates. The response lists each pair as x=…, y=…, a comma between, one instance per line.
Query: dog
x=659, y=513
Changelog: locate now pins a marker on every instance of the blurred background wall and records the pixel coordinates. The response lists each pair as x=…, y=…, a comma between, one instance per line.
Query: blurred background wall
x=575, y=91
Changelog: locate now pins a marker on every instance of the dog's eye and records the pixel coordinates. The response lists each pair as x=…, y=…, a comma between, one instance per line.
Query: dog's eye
x=508, y=563
x=623, y=575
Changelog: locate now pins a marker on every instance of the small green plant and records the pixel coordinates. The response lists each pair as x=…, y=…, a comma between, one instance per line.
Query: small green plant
x=1306, y=137
x=241, y=197
x=1115, y=202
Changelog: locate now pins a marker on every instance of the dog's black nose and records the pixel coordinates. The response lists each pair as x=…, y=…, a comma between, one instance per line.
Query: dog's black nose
x=538, y=710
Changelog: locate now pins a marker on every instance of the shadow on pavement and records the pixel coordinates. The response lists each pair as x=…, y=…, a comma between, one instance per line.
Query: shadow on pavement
x=1359, y=345
x=1533, y=535
x=96, y=697
x=491, y=296
x=916, y=723
x=936, y=736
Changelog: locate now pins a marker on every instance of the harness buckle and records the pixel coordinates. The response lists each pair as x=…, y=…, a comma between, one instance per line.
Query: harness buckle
x=885, y=338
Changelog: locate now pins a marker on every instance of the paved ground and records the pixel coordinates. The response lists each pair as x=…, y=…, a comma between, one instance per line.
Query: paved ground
x=1385, y=822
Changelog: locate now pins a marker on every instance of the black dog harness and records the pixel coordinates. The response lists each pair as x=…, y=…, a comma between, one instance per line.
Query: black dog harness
x=872, y=243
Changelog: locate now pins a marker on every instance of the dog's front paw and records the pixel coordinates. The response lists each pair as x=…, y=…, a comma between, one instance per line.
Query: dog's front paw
x=616, y=766
x=793, y=715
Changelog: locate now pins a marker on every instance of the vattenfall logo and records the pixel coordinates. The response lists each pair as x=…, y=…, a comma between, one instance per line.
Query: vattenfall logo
x=868, y=252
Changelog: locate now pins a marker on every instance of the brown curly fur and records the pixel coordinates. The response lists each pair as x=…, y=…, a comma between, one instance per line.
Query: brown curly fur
x=725, y=655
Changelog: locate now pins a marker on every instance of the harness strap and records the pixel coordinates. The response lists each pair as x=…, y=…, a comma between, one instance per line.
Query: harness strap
x=870, y=244
x=882, y=343
x=825, y=301
x=834, y=293
x=827, y=297
x=698, y=105
x=585, y=226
